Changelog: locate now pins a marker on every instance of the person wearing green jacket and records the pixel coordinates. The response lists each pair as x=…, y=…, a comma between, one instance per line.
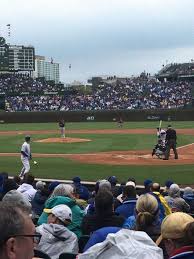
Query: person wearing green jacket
x=64, y=192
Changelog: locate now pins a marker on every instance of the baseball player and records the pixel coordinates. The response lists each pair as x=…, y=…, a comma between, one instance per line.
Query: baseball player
x=25, y=156
x=62, y=128
x=161, y=140
x=120, y=122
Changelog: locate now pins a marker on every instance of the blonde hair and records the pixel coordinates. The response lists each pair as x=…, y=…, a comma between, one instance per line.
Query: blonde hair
x=147, y=208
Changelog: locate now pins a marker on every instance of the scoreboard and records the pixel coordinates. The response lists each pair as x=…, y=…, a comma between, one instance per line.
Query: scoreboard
x=16, y=58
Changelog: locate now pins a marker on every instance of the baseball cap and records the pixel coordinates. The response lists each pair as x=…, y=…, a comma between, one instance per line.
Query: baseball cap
x=173, y=225
x=168, y=183
x=112, y=179
x=62, y=212
x=147, y=182
x=52, y=185
x=130, y=183
x=76, y=179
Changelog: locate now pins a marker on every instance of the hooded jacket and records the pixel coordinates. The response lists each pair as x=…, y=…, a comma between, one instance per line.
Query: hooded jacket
x=38, y=202
x=77, y=212
x=28, y=191
x=56, y=239
x=175, y=202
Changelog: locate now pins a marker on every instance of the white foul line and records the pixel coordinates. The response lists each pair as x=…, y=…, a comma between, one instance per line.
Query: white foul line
x=185, y=145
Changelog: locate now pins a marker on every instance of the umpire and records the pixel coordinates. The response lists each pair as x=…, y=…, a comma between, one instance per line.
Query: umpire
x=171, y=142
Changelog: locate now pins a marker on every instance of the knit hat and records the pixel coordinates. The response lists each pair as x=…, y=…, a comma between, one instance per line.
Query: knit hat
x=62, y=212
x=173, y=225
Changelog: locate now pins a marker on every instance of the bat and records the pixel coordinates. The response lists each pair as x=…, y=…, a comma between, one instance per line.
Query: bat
x=160, y=125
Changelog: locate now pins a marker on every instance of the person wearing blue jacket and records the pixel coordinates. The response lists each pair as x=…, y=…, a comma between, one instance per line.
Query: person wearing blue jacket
x=126, y=209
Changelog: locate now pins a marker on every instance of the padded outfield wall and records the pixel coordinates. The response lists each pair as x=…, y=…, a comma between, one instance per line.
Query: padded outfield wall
x=98, y=116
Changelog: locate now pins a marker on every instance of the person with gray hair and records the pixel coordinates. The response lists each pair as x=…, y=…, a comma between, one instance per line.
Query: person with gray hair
x=175, y=202
x=15, y=198
x=17, y=233
x=63, y=190
x=40, y=185
x=188, y=196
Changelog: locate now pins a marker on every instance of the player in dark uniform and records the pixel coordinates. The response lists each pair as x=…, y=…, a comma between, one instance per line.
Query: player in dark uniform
x=171, y=142
x=120, y=122
x=62, y=128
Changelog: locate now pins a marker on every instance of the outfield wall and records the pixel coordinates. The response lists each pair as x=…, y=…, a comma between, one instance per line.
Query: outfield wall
x=98, y=116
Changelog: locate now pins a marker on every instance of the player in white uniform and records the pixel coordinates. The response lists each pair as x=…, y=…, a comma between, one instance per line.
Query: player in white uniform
x=25, y=156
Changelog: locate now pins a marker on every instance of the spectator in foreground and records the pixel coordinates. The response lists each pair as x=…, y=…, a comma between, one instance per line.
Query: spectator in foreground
x=177, y=233
x=56, y=238
x=17, y=233
x=100, y=235
x=147, y=216
x=15, y=198
x=125, y=244
x=104, y=215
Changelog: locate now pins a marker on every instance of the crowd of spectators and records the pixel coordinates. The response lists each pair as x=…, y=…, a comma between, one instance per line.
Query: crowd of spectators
x=17, y=83
x=121, y=93
x=58, y=220
x=178, y=69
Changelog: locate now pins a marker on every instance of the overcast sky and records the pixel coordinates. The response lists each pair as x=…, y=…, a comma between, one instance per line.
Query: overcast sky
x=103, y=37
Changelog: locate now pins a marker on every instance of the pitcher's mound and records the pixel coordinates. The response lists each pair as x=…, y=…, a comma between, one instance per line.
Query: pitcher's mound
x=62, y=140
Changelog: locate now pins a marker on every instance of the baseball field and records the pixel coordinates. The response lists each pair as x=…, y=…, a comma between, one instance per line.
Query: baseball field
x=97, y=150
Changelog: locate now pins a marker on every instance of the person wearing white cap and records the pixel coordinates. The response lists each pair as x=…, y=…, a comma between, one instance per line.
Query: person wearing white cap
x=56, y=238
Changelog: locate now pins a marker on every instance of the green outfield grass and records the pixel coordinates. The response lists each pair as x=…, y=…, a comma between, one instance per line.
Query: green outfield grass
x=95, y=125
x=60, y=168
